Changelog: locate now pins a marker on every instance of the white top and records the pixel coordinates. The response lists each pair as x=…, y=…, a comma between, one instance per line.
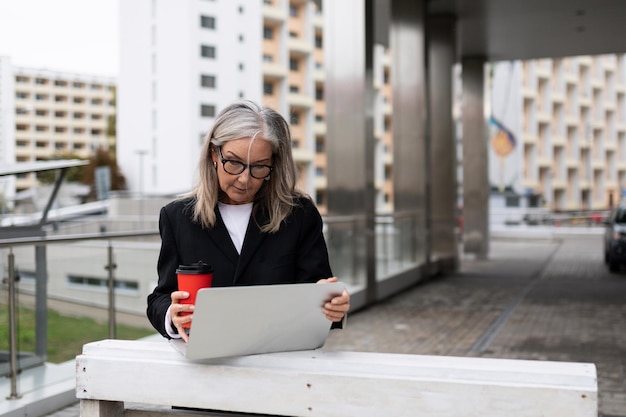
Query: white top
x=236, y=218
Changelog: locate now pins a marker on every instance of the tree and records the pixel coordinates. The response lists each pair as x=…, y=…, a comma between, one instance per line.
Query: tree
x=86, y=174
x=74, y=174
x=100, y=158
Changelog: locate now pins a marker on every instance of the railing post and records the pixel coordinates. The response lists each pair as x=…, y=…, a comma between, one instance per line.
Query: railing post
x=12, y=328
x=111, y=285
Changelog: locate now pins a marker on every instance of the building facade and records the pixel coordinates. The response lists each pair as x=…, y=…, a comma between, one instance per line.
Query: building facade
x=59, y=113
x=181, y=64
x=7, y=131
x=567, y=118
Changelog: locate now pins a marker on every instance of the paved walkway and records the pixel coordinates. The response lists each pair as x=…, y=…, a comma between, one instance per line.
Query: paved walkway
x=533, y=299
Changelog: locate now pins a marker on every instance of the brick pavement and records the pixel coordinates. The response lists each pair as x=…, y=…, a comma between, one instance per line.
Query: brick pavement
x=540, y=300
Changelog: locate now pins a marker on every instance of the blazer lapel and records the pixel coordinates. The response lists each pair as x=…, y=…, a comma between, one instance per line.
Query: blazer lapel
x=254, y=237
x=222, y=239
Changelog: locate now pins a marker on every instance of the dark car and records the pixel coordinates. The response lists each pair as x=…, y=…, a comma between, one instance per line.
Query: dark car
x=615, y=239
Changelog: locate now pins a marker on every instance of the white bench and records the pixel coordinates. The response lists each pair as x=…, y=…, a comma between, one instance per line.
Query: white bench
x=145, y=378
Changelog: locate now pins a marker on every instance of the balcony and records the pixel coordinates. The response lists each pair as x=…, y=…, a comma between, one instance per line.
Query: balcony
x=273, y=70
x=273, y=14
x=300, y=100
x=299, y=46
x=303, y=155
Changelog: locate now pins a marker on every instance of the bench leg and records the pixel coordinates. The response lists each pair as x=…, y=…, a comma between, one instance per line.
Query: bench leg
x=95, y=408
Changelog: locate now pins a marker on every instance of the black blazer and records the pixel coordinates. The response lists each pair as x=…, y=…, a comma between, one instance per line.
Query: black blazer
x=297, y=253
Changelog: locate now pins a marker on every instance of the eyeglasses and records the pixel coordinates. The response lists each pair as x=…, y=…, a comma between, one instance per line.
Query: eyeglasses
x=235, y=167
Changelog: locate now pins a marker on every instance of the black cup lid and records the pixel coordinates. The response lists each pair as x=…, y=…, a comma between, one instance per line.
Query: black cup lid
x=195, y=268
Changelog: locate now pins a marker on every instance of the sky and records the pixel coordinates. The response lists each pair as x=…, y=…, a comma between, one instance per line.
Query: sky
x=79, y=36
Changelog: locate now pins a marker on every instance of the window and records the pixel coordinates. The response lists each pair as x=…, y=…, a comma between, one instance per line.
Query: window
x=77, y=84
x=59, y=113
x=40, y=112
x=207, y=22
x=319, y=171
x=78, y=100
x=78, y=146
x=41, y=144
x=41, y=97
x=59, y=146
x=96, y=101
x=319, y=94
x=318, y=41
x=240, y=9
x=268, y=32
x=293, y=34
x=512, y=201
x=294, y=89
x=241, y=66
x=78, y=130
x=386, y=76
x=207, y=110
x=96, y=116
x=268, y=89
x=20, y=79
x=21, y=144
x=293, y=64
x=60, y=99
x=60, y=129
x=207, y=81
x=319, y=198
x=60, y=83
x=92, y=282
x=295, y=119
x=268, y=58
x=96, y=132
x=207, y=51
x=21, y=127
x=21, y=95
x=41, y=81
x=96, y=87
x=319, y=118
x=319, y=146
x=293, y=11
x=21, y=110
x=78, y=115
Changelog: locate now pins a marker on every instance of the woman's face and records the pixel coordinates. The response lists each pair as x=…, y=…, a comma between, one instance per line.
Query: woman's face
x=242, y=188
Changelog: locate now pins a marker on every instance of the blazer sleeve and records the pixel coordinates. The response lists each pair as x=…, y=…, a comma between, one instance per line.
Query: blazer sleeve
x=169, y=259
x=312, y=263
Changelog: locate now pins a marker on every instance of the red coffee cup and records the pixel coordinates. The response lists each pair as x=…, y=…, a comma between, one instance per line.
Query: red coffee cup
x=191, y=278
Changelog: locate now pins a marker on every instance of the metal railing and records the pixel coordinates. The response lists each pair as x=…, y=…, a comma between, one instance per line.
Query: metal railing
x=397, y=250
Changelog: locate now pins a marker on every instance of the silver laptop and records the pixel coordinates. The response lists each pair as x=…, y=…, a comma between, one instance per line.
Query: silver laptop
x=235, y=321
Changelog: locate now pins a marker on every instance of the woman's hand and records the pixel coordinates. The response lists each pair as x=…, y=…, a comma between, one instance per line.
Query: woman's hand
x=176, y=308
x=336, y=308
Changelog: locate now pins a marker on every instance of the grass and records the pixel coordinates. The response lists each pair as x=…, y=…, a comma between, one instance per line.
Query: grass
x=66, y=335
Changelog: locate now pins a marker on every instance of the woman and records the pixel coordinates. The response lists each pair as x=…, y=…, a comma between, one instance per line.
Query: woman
x=243, y=217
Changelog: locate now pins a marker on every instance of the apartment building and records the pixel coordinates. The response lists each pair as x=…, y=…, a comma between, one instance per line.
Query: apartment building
x=181, y=64
x=7, y=131
x=59, y=113
x=568, y=118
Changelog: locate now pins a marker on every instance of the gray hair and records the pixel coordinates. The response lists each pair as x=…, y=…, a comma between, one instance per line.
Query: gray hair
x=246, y=119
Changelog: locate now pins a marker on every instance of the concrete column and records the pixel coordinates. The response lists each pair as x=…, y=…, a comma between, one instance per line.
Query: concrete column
x=442, y=153
x=475, y=160
x=408, y=78
x=349, y=96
